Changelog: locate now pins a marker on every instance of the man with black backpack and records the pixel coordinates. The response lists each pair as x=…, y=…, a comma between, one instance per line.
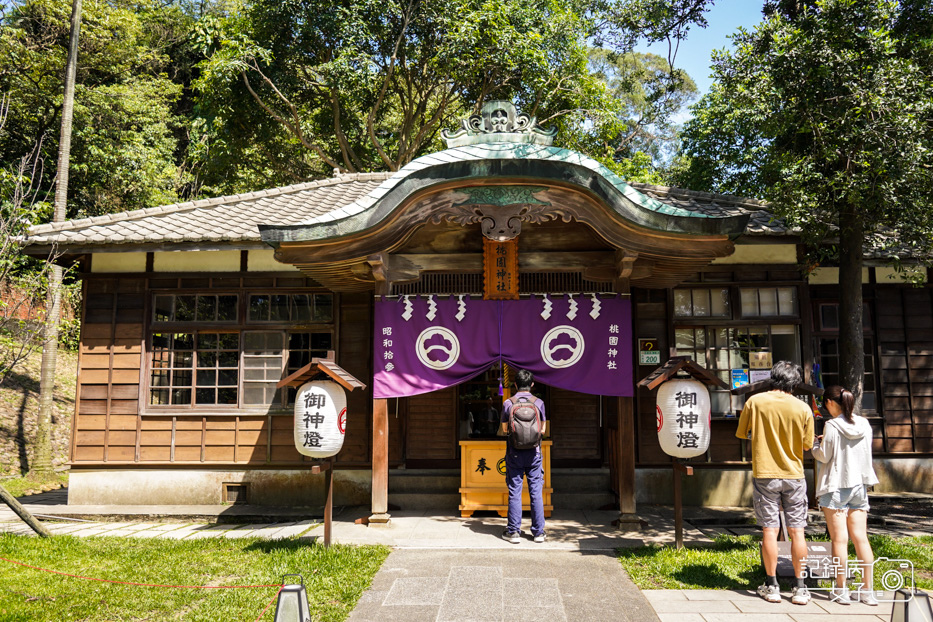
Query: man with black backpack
x=524, y=422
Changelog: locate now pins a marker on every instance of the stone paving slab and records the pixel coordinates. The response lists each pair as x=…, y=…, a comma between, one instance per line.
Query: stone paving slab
x=211, y=531
x=741, y=617
x=181, y=533
x=65, y=528
x=557, y=585
x=99, y=529
x=711, y=606
x=441, y=559
x=247, y=531
x=681, y=617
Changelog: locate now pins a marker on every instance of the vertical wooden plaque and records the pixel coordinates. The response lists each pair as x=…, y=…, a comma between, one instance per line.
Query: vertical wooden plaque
x=500, y=269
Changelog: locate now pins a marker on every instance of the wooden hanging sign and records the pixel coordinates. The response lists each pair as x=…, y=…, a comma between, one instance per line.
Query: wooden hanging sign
x=500, y=269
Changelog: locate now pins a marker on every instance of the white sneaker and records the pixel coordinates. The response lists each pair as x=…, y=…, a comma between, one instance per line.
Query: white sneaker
x=770, y=593
x=866, y=598
x=800, y=596
x=840, y=595
x=541, y=537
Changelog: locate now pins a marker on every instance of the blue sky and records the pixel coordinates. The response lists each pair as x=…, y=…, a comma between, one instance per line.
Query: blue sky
x=694, y=54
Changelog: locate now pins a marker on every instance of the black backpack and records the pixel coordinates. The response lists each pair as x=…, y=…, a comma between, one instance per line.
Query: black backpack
x=524, y=424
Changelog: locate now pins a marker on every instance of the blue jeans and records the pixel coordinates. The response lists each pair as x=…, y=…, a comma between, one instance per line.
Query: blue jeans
x=520, y=463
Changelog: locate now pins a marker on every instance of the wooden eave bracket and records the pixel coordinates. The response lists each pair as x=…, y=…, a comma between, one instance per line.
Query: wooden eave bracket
x=765, y=385
x=625, y=263
x=681, y=363
x=325, y=366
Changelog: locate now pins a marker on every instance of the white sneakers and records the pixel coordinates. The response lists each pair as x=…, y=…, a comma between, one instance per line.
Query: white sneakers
x=515, y=537
x=770, y=593
x=866, y=598
x=840, y=595
x=800, y=596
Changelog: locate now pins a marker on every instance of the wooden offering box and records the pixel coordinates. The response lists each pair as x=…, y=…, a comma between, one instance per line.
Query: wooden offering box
x=482, y=478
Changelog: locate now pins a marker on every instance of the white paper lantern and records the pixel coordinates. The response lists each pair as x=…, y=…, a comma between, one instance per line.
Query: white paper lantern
x=320, y=418
x=683, y=418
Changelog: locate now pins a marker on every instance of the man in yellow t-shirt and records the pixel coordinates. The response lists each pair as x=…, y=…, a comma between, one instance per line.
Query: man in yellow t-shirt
x=781, y=428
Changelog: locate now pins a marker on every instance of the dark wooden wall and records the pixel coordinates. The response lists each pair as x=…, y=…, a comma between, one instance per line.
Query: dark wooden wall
x=110, y=427
x=431, y=422
x=107, y=425
x=574, y=420
x=904, y=328
x=354, y=353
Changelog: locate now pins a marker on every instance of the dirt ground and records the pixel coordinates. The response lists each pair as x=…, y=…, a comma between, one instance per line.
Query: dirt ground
x=19, y=406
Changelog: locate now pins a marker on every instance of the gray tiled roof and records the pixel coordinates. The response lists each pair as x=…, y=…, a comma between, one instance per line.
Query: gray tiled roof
x=230, y=218
x=711, y=204
x=504, y=152
x=236, y=218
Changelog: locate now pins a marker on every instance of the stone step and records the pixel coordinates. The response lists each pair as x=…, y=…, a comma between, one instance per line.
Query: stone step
x=449, y=502
x=438, y=489
x=424, y=481
x=441, y=481
x=583, y=500
x=581, y=480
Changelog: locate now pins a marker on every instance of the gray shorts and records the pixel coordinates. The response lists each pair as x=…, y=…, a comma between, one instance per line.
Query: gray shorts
x=770, y=495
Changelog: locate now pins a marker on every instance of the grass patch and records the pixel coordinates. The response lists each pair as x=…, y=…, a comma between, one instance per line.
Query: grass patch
x=334, y=577
x=734, y=562
x=30, y=485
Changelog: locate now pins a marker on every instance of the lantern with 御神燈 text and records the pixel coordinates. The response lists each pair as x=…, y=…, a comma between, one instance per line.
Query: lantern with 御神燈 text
x=683, y=417
x=320, y=418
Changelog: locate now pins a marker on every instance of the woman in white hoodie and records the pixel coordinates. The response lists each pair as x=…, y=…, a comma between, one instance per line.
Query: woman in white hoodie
x=842, y=484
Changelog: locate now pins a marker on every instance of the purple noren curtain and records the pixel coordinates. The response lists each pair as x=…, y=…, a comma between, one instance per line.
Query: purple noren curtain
x=580, y=343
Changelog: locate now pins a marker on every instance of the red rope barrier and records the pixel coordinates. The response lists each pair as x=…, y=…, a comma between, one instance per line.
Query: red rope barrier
x=263, y=612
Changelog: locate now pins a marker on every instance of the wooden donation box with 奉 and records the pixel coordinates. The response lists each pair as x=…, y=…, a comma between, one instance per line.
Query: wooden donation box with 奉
x=482, y=478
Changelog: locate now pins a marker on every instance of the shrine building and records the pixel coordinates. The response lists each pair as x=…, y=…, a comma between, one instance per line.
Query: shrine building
x=432, y=285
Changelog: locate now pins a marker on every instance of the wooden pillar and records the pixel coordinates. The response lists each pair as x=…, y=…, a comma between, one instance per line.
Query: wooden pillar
x=380, y=462
x=625, y=461
x=380, y=501
x=328, y=501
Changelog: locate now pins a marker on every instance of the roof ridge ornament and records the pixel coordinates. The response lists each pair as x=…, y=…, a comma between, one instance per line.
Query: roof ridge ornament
x=499, y=122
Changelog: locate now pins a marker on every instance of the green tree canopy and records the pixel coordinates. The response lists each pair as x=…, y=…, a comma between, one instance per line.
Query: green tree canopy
x=293, y=89
x=289, y=90
x=826, y=109
x=126, y=124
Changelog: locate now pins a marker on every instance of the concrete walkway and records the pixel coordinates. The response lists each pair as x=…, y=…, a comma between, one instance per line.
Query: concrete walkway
x=447, y=568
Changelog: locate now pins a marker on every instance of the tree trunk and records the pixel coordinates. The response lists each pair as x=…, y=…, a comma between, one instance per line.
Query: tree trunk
x=42, y=459
x=42, y=450
x=851, y=338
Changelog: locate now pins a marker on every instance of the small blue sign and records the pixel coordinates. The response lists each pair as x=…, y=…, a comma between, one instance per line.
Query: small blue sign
x=739, y=378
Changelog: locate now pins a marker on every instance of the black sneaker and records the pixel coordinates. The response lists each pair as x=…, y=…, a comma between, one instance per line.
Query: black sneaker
x=511, y=536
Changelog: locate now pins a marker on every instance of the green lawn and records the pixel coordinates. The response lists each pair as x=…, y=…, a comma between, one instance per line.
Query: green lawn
x=29, y=485
x=335, y=578
x=734, y=562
